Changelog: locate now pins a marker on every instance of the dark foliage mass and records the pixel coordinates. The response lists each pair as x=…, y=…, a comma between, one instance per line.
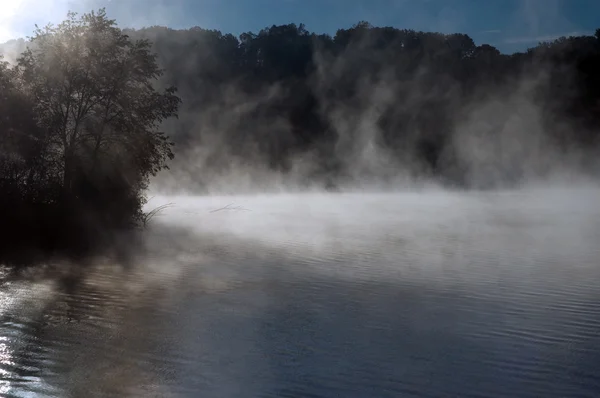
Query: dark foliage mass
x=84, y=108
x=79, y=138
x=374, y=103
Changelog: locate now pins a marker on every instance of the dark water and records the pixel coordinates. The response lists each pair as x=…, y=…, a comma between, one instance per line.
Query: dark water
x=396, y=295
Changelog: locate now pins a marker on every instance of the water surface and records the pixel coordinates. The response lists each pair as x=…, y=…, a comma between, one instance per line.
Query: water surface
x=343, y=295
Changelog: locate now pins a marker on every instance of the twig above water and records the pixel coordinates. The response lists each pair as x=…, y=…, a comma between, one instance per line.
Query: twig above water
x=230, y=207
x=152, y=213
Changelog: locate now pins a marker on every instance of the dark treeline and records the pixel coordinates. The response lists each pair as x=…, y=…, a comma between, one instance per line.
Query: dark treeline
x=376, y=103
x=86, y=116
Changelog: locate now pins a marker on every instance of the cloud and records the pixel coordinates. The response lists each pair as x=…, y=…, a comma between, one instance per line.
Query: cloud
x=537, y=21
x=536, y=17
x=493, y=31
x=542, y=38
x=18, y=17
x=8, y=11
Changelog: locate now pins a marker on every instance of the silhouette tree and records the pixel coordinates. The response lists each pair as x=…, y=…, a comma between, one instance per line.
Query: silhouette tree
x=94, y=98
x=82, y=135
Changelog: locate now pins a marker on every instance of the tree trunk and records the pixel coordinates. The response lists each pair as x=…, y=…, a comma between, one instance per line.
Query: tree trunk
x=67, y=178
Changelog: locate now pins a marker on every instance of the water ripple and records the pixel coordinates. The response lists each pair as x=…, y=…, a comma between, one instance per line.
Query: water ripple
x=411, y=295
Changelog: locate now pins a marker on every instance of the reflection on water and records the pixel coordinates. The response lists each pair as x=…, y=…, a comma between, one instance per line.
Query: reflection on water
x=5, y=360
x=488, y=295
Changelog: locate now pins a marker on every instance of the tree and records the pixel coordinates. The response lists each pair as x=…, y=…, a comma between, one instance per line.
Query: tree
x=20, y=138
x=94, y=95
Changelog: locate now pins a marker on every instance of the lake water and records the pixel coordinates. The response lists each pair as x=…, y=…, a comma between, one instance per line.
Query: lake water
x=429, y=294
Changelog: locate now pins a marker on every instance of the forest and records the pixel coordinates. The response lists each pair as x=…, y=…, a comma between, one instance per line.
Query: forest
x=92, y=114
x=375, y=105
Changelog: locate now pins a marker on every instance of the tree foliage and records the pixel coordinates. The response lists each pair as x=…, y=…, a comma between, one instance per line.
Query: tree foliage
x=283, y=93
x=93, y=136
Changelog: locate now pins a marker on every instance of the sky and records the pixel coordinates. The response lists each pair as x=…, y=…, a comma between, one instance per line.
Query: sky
x=509, y=25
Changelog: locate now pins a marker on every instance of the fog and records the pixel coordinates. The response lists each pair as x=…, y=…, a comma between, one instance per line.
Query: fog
x=498, y=144
x=498, y=138
x=414, y=233
x=382, y=123
x=272, y=294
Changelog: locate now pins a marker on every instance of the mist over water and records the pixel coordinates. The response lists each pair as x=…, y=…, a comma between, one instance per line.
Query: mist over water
x=332, y=253
x=353, y=294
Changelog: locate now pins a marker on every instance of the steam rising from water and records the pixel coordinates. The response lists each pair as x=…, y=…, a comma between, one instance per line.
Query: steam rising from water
x=498, y=141
x=336, y=294
x=327, y=294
